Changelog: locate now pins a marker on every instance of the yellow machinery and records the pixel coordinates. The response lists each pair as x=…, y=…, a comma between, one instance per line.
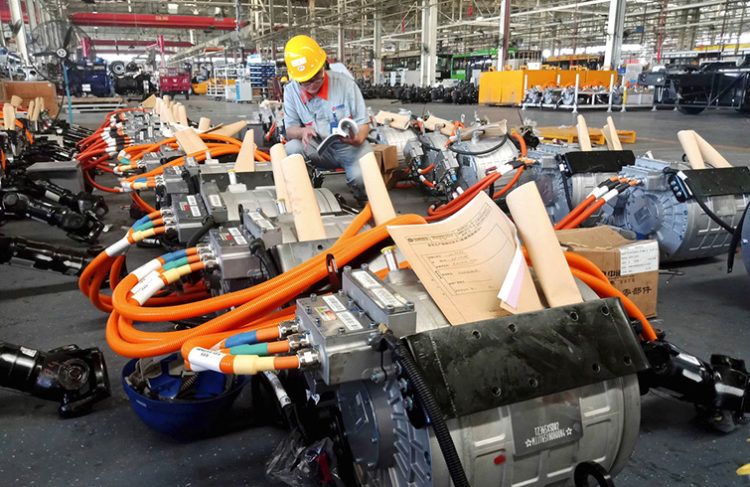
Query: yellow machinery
x=508, y=87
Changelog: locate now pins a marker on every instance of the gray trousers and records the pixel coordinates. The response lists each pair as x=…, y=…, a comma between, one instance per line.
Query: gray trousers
x=337, y=155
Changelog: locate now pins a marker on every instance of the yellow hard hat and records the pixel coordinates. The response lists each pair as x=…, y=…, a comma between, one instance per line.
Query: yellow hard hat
x=303, y=57
x=284, y=79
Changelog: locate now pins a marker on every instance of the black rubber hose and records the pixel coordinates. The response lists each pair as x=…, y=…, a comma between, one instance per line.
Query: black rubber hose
x=703, y=205
x=736, y=236
x=481, y=152
x=439, y=426
x=710, y=213
x=208, y=224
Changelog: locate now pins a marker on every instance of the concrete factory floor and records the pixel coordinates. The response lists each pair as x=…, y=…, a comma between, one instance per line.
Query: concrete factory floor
x=704, y=310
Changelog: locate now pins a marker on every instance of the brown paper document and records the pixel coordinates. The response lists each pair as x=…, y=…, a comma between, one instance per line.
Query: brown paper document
x=377, y=194
x=307, y=219
x=584, y=141
x=689, y=144
x=534, y=227
x=278, y=154
x=394, y=120
x=464, y=261
x=189, y=141
x=246, y=158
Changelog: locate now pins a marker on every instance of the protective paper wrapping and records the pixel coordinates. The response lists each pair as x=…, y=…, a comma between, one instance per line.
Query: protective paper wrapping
x=610, y=134
x=305, y=208
x=434, y=123
x=466, y=260
x=231, y=129
x=377, y=194
x=689, y=144
x=278, y=154
x=149, y=102
x=204, y=123
x=9, y=116
x=394, y=120
x=711, y=155
x=496, y=129
x=246, y=158
x=31, y=110
x=537, y=234
x=189, y=141
x=16, y=101
x=182, y=114
x=584, y=141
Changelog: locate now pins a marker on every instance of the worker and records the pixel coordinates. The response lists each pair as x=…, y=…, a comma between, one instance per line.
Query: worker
x=315, y=101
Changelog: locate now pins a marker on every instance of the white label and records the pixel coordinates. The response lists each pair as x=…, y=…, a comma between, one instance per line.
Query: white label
x=238, y=237
x=639, y=257
x=191, y=200
x=349, y=321
x=260, y=221
x=28, y=351
x=214, y=199
x=51, y=196
x=365, y=279
x=205, y=359
x=334, y=303
x=195, y=211
x=299, y=62
x=86, y=87
x=386, y=297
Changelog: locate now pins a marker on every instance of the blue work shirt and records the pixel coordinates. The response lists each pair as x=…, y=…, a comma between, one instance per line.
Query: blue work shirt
x=339, y=97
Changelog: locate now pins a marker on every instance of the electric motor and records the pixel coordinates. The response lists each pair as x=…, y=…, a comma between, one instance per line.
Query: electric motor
x=528, y=429
x=473, y=168
x=658, y=209
x=566, y=176
x=399, y=138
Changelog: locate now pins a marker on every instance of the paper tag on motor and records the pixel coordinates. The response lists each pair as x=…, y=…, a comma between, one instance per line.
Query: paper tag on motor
x=639, y=257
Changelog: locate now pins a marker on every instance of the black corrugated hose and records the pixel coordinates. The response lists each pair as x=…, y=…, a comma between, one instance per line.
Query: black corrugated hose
x=439, y=426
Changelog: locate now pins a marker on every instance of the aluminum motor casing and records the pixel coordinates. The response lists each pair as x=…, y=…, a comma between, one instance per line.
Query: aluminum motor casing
x=390, y=451
x=473, y=168
x=399, y=138
x=444, y=161
x=550, y=181
x=684, y=231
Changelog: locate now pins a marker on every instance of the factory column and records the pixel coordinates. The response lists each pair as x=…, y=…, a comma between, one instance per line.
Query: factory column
x=615, y=27
x=428, y=58
x=377, y=48
x=504, y=34
x=16, y=22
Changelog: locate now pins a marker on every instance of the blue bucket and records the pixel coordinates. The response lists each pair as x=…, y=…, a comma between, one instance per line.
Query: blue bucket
x=179, y=418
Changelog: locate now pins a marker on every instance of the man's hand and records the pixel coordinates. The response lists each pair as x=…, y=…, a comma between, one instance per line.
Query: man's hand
x=359, y=139
x=307, y=134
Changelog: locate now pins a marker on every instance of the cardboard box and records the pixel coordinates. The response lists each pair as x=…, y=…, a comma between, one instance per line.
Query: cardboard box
x=28, y=90
x=387, y=158
x=632, y=266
